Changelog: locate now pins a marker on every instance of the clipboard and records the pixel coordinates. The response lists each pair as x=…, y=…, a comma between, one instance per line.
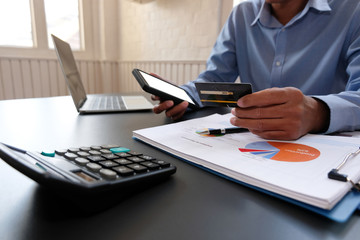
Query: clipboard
x=316, y=191
x=342, y=211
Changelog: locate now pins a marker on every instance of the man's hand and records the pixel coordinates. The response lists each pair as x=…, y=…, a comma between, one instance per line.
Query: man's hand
x=281, y=113
x=171, y=111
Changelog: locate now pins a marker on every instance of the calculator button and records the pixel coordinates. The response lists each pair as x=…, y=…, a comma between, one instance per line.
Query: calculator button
x=95, y=147
x=123, y=171
x=70, y=156
x=133, y=153
x=74, y=150
x=110, y=156
x=83, y=154
x=109, y=146
x=93, y=167
x=108, y=164
x=95, y=158
x=122, y=161
x=108, y=174
x=81, y=161
x=151, y=165
x=94, y=152
x=105, y=151
x=135, y=159
x=137, y=168
x=119, y=150
x=123, y=154
x=61, y=151
x=148, y=158
x=85, y=149
x=162, y=163
x=48, y=153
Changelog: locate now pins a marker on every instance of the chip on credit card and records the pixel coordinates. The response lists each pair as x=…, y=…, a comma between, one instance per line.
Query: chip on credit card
x=222, y=94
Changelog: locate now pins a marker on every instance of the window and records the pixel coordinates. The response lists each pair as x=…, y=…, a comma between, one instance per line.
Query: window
x=88, y=25
x=62, y=20
x=25, y=23
x=15, y=23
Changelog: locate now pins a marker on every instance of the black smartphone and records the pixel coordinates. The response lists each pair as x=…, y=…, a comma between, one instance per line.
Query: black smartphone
x=163, y=89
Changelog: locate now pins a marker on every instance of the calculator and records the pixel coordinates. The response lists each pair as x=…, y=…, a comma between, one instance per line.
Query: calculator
x=90, y=171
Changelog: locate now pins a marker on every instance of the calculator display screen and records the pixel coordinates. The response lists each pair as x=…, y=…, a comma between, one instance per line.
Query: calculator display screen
x=85, y=176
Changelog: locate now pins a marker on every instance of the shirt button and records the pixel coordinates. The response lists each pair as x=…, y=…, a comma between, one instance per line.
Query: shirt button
x=278, y=63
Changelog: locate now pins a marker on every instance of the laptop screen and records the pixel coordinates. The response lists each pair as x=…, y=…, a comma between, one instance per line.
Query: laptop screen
x=68, y=66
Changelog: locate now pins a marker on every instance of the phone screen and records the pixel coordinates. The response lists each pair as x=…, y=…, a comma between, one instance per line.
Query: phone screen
x=166, y=87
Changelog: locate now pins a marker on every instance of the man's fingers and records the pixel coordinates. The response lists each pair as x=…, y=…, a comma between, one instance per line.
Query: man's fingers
x=157, y=76
x=268, y=97
x=177, y=111
x=155, y=98
x=172, y=111
x=270, y=112
x=163, y=106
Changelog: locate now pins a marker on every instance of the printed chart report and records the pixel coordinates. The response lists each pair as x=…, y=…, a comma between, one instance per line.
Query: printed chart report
x=295, y=169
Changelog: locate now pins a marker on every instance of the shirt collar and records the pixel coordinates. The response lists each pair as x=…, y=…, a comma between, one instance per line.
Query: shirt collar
x=265, y=17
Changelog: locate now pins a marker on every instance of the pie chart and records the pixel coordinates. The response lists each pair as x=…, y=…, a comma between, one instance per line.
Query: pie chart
x=282, y=151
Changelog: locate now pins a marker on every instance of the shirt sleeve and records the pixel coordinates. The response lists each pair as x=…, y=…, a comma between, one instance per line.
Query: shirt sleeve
x=345, y=106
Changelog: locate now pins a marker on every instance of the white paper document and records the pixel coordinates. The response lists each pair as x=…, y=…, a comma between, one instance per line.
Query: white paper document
x=295, y=169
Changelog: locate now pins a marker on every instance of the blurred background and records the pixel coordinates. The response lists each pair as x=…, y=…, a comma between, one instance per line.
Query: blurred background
x=172, y=38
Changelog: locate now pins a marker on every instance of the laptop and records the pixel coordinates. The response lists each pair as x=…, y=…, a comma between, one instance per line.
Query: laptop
x=99, y=103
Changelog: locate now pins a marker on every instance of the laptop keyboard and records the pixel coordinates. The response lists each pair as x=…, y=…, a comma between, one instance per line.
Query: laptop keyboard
x=107, y=103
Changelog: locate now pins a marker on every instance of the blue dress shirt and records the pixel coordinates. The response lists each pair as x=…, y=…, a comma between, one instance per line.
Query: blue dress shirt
x=318, y=52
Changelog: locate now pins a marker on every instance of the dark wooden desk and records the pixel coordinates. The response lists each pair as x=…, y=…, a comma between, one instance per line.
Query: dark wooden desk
x=192, y=204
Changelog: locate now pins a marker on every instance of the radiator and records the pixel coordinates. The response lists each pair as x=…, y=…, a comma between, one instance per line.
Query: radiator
x=29, y=78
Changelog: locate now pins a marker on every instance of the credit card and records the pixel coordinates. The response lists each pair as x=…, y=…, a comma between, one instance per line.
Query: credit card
x=222, y=94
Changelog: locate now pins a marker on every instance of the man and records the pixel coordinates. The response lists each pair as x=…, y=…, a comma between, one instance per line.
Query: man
x=302, y=58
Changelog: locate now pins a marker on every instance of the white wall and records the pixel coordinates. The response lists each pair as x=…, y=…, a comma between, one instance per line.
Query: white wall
x=170, y=29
